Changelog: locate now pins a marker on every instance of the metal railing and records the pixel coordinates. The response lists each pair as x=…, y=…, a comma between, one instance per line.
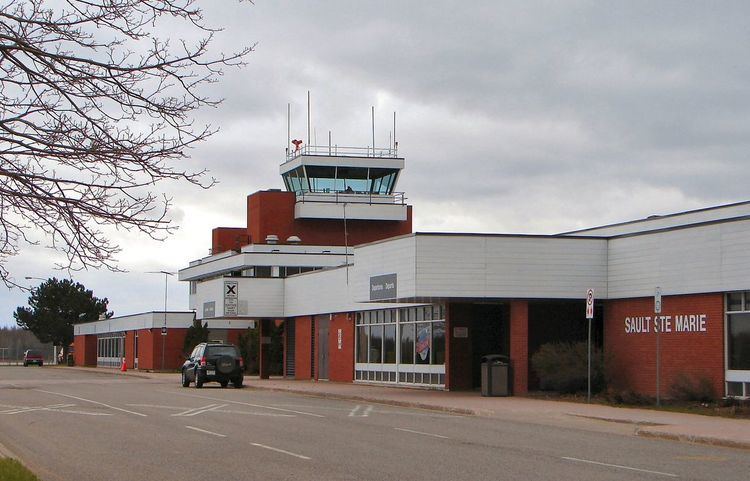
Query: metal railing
x=354, y=197
x=336, y=151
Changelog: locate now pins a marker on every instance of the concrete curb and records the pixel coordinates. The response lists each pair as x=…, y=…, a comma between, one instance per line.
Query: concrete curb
x=5, y=452
x=387, y=402
x=692, y=439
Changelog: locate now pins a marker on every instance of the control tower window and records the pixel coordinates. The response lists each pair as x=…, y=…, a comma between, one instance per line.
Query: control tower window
x=353, y=178
x=382, y=180
x=295, y=180
x=322, y=178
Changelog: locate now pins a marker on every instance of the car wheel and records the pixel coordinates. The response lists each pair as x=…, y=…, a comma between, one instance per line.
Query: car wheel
x=198, y=380
x=224, y=383
x=237, y=383
x=185, y=380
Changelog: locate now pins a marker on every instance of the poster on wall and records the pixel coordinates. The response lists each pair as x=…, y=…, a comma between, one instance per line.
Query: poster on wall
x=423, y=343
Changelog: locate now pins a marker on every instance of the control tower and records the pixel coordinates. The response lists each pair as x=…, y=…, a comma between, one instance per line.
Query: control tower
x=332, y=182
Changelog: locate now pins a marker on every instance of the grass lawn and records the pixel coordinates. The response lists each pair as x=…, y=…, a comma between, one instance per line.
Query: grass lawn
x=12, y=470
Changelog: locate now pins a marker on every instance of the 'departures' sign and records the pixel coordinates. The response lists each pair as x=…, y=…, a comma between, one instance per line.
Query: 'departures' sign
x=383, y=287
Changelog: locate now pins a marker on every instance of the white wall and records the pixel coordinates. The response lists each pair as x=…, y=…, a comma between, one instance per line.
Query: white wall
x=710, y=258
x=145, y=320
x=510, y=266
x=669, y=220
x=257, y=297
x=397, y=256
x=324, y=292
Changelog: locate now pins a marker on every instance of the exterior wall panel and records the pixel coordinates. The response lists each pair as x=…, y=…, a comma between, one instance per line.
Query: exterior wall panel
x=256, y=297
x=509, y=267
x=711, y=258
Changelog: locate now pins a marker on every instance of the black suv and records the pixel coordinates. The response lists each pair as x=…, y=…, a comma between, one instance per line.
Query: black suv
x=214, y=361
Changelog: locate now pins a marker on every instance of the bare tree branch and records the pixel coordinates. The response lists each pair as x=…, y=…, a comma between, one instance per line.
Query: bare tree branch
x=97, y=110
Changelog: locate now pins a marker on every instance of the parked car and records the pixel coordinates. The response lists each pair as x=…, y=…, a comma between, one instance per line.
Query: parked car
x=214, y=362
x=32, y=356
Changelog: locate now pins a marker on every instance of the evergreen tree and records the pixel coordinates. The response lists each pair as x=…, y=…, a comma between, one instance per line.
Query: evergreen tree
x=55, y=306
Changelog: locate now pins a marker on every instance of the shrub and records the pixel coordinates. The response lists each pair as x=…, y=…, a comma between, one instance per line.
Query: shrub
x=627, y=396
x=685, y=388
x=195, y=334
x=563, y=367
x=248, y=342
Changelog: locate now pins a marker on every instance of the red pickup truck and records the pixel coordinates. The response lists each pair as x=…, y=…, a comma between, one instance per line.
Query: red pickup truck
x=32, y=356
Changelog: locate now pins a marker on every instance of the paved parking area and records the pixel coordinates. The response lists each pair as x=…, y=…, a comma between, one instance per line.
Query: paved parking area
x=73, y=425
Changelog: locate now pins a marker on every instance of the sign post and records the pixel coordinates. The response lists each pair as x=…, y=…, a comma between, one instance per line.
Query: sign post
x=658, y=326
x=589, y=317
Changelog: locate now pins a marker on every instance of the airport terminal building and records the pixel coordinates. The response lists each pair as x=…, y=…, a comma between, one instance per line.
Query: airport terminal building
x=364, y=299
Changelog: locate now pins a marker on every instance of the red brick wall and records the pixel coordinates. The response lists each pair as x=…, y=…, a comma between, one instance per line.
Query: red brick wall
x=146, y=348
x=458, y=374
x=302, y=333
x=130, y=349
x=85, y=350
x=695, y=354
x=341, y=361
x=519, y=345
x=228, y=238
x=270, y=212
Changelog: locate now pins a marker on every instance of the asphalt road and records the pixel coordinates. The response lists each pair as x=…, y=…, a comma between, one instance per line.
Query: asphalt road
x=72, y=425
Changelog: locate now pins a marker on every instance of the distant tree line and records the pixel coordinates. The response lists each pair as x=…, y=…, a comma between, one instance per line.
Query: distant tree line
x=14, y=341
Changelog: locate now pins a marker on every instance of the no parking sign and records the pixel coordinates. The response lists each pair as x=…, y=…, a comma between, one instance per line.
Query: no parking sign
x=590, y=304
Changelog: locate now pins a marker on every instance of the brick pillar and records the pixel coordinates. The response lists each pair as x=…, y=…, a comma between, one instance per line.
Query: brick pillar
x=519, y=345
x=265, y=342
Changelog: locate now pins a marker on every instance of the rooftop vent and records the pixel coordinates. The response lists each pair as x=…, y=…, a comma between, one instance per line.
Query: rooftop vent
x=272, y=239
x=293, y=239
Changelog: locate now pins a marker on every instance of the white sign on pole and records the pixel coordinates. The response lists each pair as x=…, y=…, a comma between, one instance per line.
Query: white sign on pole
x=230, y=298
x=590, y=304
x=657, y=301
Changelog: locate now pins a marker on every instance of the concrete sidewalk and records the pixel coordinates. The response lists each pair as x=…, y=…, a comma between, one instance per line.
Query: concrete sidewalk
x=642, y=422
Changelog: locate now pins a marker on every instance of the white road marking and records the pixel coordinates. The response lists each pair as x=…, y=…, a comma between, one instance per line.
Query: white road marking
x=216, y=410
x=187, y=413
x=93, y=402
x=281, y=451
x=159, y=406
x=363, y=414
x=206, y=432
x=273, y=415
x=28, y=409
x=422, y=433
x=620, y=467
x=58, y=408
x=217, y=406
x=247, y=404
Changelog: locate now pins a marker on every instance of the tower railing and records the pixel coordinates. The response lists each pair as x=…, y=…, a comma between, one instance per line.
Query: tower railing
x=339, y=151
x=354, y=197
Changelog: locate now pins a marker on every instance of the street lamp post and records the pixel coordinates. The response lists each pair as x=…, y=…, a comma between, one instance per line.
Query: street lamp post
x=163, y=334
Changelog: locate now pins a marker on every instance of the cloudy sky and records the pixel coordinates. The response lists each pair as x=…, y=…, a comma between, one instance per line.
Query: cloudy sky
x=520, y=117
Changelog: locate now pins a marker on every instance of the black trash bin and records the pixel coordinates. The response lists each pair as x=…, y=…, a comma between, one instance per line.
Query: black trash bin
x=495, y=375
x=71, y=360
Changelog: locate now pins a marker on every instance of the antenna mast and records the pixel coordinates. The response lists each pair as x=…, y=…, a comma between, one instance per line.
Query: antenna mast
x=373, y=131
x=308, y=117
